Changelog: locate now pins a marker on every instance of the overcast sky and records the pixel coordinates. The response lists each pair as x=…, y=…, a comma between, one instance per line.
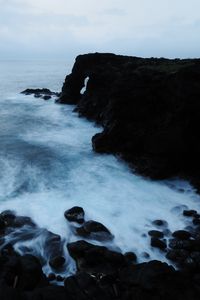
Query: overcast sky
x=62, y=28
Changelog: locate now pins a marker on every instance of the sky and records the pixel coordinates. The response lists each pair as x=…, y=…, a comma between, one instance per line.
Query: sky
x=59, y=29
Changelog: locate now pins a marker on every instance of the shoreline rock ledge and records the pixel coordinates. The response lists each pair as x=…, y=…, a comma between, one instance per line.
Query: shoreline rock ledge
x=149, y=109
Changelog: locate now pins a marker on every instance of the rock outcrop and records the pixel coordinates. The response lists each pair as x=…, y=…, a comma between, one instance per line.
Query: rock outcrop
x=149, y=109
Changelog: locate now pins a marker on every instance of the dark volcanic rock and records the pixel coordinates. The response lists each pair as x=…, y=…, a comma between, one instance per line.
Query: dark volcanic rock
x=94, y=230
x=57, y=262
x=75, y=214
x=157, y=243
x=181, y=234
x=156, y=234
x=130, y=257
x=160, y=223
x=149, y=109
x=95, y=259
x=189, y=213
x=45, y=94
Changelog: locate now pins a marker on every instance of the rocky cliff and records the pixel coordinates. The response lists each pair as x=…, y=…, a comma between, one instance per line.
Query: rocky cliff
x=149, y=109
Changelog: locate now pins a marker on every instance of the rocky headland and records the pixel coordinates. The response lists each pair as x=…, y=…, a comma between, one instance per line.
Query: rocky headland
x=149, y=109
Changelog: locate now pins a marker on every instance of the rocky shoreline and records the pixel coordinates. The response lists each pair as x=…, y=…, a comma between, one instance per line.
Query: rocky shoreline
x=149, y=110
x=101, y=273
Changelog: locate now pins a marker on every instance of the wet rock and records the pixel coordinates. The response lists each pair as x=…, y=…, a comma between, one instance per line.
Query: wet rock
x=189, y=213
x=53, y=244
x=51, y=277
x=59, y=278
x=156, y=234
x=157, y=243
x=196, y=216
x=146, y=275
x=130, y=257
x=2, y=224
x=94, y=230
x=181, y=235
x=30, y=274
x=57, y=262
x=95, y=259
x=145, y=255
x=20, y=221
x=8, y=217
x=46, y=97
x=181, y=244
x=160, y=223
x=75, y=214
x=178, y=256
x=196, y=221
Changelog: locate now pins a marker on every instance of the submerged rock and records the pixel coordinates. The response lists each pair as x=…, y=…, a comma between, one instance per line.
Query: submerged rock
x=95, y=259
x=94, y=230
x=157, y=243
x=160, y=223
x=45, y=94
x=181, y=234
x=75, y=214
x=156, y=234
x=57, y=262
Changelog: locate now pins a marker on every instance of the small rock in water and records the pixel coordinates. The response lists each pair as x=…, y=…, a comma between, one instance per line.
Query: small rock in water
x=95, y=259
x=196, y=221
x=75, y=214
x=59, y=278
x=177, y=255
x=181, y=234
x=156, y=233
x=160, y=223
x=51, y=277
x=94, y=230
x=145, y=255
x=157, y=243
x=189, y=213
x=131, y=257
x=46, y=97
x=57, y=262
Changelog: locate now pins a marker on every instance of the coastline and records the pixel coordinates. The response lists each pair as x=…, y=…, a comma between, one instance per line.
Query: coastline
x=102, y=273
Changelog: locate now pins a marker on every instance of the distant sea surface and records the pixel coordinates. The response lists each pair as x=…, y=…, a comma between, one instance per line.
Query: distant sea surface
x=47, y=165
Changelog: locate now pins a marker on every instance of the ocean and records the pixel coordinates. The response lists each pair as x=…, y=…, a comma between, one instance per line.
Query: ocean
x=47, y=166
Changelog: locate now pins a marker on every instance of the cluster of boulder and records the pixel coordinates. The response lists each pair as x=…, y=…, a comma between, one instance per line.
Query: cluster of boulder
x=100, y=273
x=149, y=109
x=44, y=93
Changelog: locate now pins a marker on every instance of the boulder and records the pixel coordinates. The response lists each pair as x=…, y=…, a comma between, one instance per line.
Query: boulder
x=95, y=259
x=57, y=262
x=181, y=235
x=75, y=214
x=94, y=230
x=156, y=234
x=157, y=243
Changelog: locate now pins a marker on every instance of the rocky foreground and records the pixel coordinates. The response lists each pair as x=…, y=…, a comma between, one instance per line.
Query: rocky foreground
x=149, y=109
x=101, y=273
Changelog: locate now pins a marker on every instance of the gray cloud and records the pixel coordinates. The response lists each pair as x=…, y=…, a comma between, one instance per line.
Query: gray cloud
x=59, y=28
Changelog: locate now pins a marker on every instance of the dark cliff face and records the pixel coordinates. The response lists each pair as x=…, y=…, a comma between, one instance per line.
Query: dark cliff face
x=149, y=108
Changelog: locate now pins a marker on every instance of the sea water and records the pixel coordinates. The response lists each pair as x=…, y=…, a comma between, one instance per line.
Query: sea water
x=47, y=166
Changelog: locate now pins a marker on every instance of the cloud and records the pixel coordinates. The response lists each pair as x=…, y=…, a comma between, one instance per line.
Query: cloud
x=137, y=27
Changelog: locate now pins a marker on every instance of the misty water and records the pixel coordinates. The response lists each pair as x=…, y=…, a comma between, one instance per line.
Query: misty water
x=47, y=166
